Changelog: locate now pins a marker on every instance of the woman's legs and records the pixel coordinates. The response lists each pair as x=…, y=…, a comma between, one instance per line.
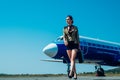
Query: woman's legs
x=72, y=55
x=69, y=52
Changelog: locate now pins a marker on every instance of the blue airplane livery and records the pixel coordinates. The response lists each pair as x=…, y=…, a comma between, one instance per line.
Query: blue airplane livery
x=93, y=51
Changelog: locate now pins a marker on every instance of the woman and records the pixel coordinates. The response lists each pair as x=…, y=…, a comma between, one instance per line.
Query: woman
x=71, y=41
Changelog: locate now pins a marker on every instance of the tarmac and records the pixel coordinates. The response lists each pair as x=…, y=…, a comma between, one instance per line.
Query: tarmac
x=60, y=78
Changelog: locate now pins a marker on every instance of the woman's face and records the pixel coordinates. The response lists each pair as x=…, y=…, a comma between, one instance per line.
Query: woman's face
x=68, y=21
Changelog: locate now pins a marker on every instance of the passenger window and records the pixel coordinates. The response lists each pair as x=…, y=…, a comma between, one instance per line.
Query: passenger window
x=116, y=48
x=98, y=45
x=89, y=44
x=108, y=47
x=111, y=47
x=119, y=48
x=85, y=43
x=94, y=45
x=103, y=46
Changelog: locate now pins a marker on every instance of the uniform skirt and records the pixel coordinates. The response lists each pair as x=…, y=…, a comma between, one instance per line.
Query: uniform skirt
x=71, y=45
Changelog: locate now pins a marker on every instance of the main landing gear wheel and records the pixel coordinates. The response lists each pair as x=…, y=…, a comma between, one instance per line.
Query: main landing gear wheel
x=99, y=70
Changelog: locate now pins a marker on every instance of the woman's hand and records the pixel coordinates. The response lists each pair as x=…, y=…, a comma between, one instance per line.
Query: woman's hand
x=66, y=43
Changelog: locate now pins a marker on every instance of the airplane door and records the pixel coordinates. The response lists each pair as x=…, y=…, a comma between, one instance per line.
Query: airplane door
x=84, y=47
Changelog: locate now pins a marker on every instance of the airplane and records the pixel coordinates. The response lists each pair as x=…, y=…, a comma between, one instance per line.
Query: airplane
x=93, y=51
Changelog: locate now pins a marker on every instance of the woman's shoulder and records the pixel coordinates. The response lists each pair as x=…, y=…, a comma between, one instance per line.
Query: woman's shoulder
x=75, y=27
x=65, y=27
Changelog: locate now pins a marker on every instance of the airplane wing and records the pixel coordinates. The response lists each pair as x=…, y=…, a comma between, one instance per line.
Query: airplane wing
x=52, y=60
x=58, y=60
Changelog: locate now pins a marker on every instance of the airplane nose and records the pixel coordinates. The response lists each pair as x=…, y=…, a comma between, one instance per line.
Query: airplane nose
x=51, y=50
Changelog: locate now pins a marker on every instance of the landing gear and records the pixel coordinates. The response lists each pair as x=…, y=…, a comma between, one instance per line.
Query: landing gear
x=99, y=70
x=68, y=69
x=68, y=65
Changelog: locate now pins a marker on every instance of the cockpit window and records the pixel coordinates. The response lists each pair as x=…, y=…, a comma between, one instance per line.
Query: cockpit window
x=60, y=38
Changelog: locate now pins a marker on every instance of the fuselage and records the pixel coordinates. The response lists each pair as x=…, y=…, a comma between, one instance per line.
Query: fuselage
x=93, y=50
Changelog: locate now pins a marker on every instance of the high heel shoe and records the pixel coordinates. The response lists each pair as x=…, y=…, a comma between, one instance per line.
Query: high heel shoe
x=71, y=74
x=75, y=77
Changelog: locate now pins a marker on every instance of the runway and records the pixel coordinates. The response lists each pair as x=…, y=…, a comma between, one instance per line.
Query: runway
x=98, y=78
x=59, y=78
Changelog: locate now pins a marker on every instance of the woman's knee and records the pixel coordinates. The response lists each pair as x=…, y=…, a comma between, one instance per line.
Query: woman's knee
x=72, y=59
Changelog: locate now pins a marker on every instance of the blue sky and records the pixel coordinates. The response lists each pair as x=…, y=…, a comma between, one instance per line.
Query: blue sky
x=27, y=26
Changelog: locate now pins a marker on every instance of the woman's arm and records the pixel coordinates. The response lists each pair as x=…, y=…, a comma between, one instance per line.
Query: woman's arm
x=64, y=38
